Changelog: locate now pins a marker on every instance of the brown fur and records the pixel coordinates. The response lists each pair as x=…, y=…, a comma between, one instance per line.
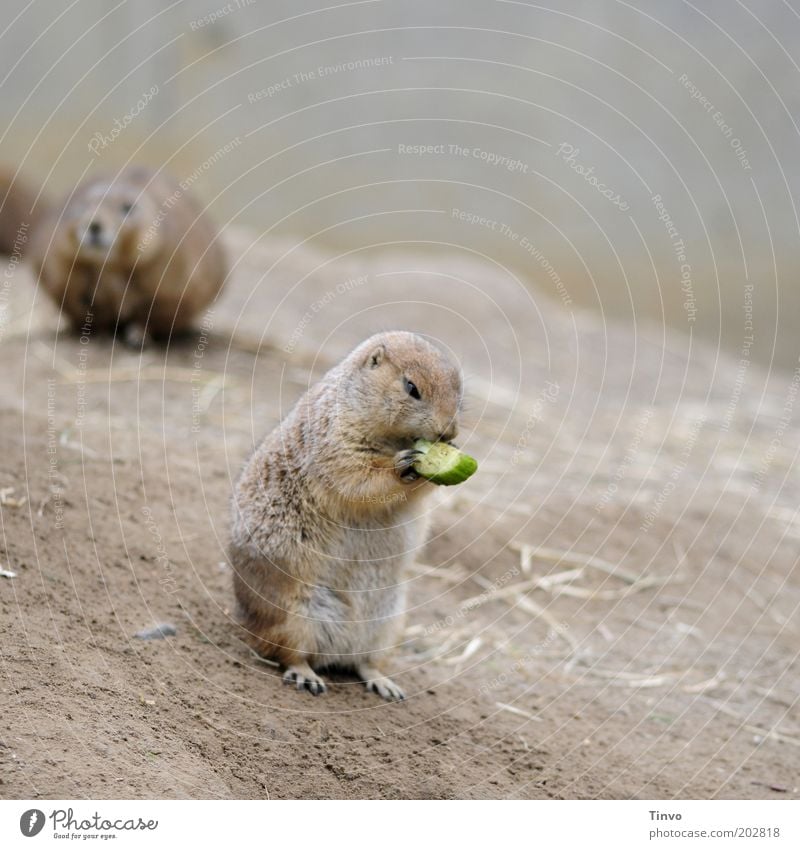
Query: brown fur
x=132, y=253
x=18, y=217
x=327, y=513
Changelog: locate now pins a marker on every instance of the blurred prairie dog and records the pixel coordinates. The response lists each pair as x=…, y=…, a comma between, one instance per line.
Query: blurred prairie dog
x=132, y=253
x=328, y=512
x=18, y=214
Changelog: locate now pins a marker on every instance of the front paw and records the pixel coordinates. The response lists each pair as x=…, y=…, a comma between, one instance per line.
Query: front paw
x=404, y=464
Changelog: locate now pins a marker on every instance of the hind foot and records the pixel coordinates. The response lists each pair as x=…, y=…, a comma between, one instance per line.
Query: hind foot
x=380, y=684
x=304, y=678
x=135, y=337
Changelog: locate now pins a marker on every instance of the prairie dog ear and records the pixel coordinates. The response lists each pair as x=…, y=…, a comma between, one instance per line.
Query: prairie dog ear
x=375, y=357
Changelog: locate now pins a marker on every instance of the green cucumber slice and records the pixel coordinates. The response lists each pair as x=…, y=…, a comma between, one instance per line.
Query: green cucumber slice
x=442, y=463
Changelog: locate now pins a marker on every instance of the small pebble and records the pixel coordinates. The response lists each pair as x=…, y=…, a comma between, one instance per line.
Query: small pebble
x=158, y=633
x=7, y=573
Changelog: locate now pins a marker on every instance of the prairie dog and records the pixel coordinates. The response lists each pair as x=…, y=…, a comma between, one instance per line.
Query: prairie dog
x=133, y=251
x=328, y=512
x=18, y=216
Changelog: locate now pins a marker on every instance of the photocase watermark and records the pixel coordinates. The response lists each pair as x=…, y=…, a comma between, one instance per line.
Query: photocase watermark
x=66, y=825
x=183, y=186
x=719, y=119
x=628, y=459
x=524, y=243
x=569, y=154
x=167, y=580
x=334, y=482
x=548, y=395
x=496, y=160
x=533, y=251
x=340, y=289
x=372, y=498
x=11, y=265
x=780, y=431
x=218, y=14
x=83, y=358
x=500, y=680
x=55, y=477
x=198, y=405
x=744, y=360
x=676, y=473
x=319, y=73
x=466, y=607
x=679, y=247
x=100, y=141
x=32, y=822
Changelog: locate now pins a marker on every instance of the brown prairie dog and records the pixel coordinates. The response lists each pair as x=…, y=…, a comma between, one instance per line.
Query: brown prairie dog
x=132, y=253
x=328, y=512
x=18, y=213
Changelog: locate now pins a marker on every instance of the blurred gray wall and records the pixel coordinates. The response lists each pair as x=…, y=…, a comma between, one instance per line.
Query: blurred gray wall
x=552, y=129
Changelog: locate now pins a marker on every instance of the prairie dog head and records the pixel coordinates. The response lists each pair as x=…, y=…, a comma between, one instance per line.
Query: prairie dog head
x=401, y=387
x=111, y=222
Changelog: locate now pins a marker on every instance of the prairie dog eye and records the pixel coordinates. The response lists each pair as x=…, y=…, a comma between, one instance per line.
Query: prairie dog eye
x=411, y=388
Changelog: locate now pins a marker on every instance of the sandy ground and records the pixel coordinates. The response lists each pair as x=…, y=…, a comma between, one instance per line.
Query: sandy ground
x=608, y=609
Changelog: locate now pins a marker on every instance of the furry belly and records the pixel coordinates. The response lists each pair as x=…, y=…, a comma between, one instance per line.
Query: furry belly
x=354, y=625
x=356, y=610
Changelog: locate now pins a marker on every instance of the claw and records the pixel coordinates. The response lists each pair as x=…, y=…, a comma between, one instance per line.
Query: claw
x=304, y=678
x=383, y=686
x=404, y=464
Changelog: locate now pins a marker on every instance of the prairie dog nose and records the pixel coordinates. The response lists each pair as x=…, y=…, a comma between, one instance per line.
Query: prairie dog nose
x=94, y=229
x=449, y=434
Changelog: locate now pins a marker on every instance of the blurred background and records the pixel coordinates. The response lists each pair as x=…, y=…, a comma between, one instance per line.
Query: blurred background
x=635, y=159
